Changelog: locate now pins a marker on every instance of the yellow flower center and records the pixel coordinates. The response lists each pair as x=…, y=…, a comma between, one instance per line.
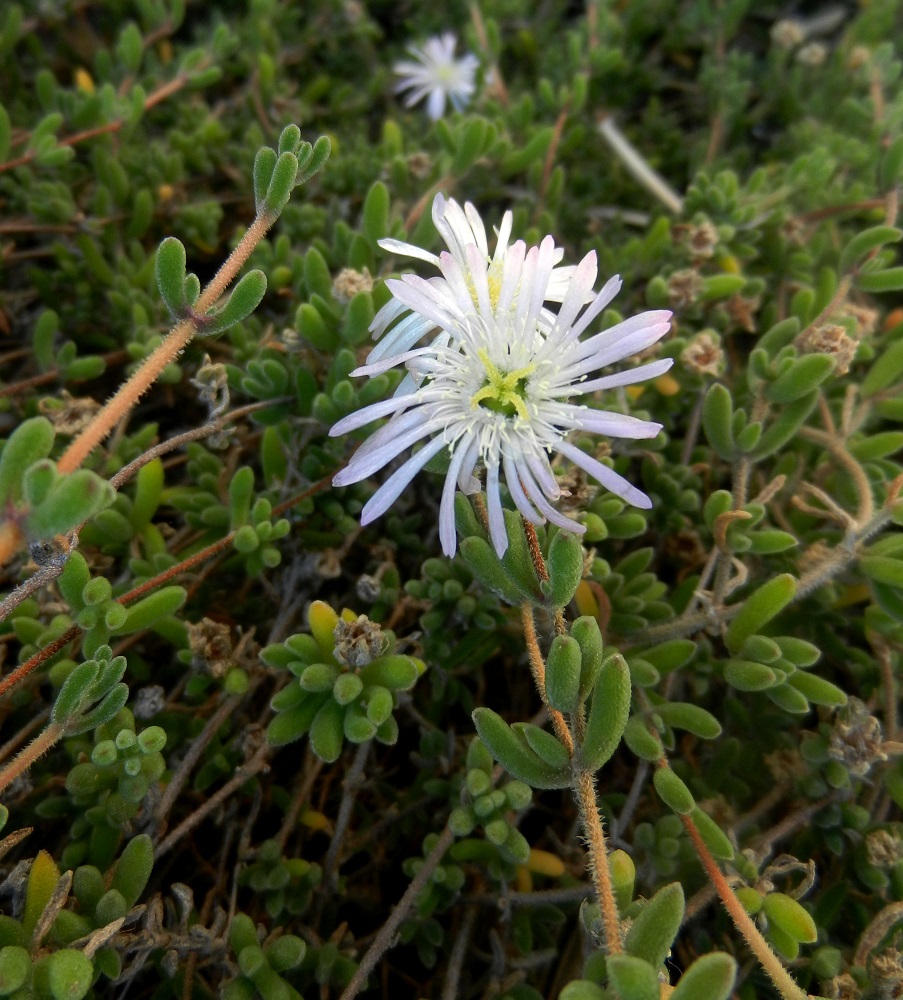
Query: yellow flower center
x=495, y=288
x=502, y=392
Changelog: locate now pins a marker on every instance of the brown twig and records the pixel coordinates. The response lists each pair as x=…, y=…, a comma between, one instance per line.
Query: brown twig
x=152, y=99
x=387, y=933
x=22, y=671
x=247, y=770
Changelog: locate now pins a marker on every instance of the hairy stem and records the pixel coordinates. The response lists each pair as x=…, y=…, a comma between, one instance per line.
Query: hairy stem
x=781, y=978
x=25, y=758
x=170, y=348
x=598, y=860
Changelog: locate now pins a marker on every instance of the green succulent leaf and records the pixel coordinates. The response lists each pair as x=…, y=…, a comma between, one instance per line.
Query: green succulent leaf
x=608, y=714
x=327, y=731
x=72, y=499
x=151, y=609
x=245, y=298
x=15, y=966
x=515, y=755
x=544, y=744
x=169, y=269
x=800, y=378
x=485, y=566
x=692, y=718
x=563, y=668
x=653, y=931
x=710, y=977
x=565, y=564
x=865, y=242
x=792, y=918
x=633, y=978
x=264, y=165
x=282, y=181
x=645, y=744
x=759, y=608
x=673, y=792
x=717, y=420
x=134, y=868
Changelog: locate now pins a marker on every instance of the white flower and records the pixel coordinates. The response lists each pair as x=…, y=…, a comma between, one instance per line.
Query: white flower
x=460, y=229
x=437, y=75
x=496, y=388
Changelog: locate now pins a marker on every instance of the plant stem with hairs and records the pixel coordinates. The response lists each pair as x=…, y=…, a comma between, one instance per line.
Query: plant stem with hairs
x=25, y=758
x=169, y=349
x=770, y=962
x=583, y=781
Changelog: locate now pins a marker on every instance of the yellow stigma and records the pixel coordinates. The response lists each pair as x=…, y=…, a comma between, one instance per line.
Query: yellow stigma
x=502, y=392
x=495, y=287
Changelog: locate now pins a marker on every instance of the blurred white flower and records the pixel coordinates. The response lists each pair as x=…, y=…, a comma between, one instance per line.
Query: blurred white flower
x=460, y=229
x=495, y=387
x=437, y=75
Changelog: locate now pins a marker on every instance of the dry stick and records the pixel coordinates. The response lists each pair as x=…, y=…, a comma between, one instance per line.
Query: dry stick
x=196, y=434
x=549, y=162
x=351, y=784
x=638, y=166
x=311, y=770
x=456, y=958
x=781, y=978
x=171, y=347
x=177, y=782
x=876, y=930
x=839, y=451
x=46, y=574
x=413, y=217
x=385, y=938
x=247, y=770
x=888, y=682
x=619, y=823
x=538, y=897
x=693, y=426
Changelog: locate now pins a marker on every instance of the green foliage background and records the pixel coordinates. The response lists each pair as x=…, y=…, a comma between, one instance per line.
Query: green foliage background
x=212, y=849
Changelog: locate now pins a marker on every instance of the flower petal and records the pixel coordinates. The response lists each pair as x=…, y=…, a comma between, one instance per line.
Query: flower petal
x=395, y=485
x=607, y=477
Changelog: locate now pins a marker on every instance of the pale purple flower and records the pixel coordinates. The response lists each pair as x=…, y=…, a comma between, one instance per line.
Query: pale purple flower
x=497, y=387
x=435, y=74
x=461, y=229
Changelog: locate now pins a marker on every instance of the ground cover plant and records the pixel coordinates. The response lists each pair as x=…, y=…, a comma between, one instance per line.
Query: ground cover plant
x=450, y=500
